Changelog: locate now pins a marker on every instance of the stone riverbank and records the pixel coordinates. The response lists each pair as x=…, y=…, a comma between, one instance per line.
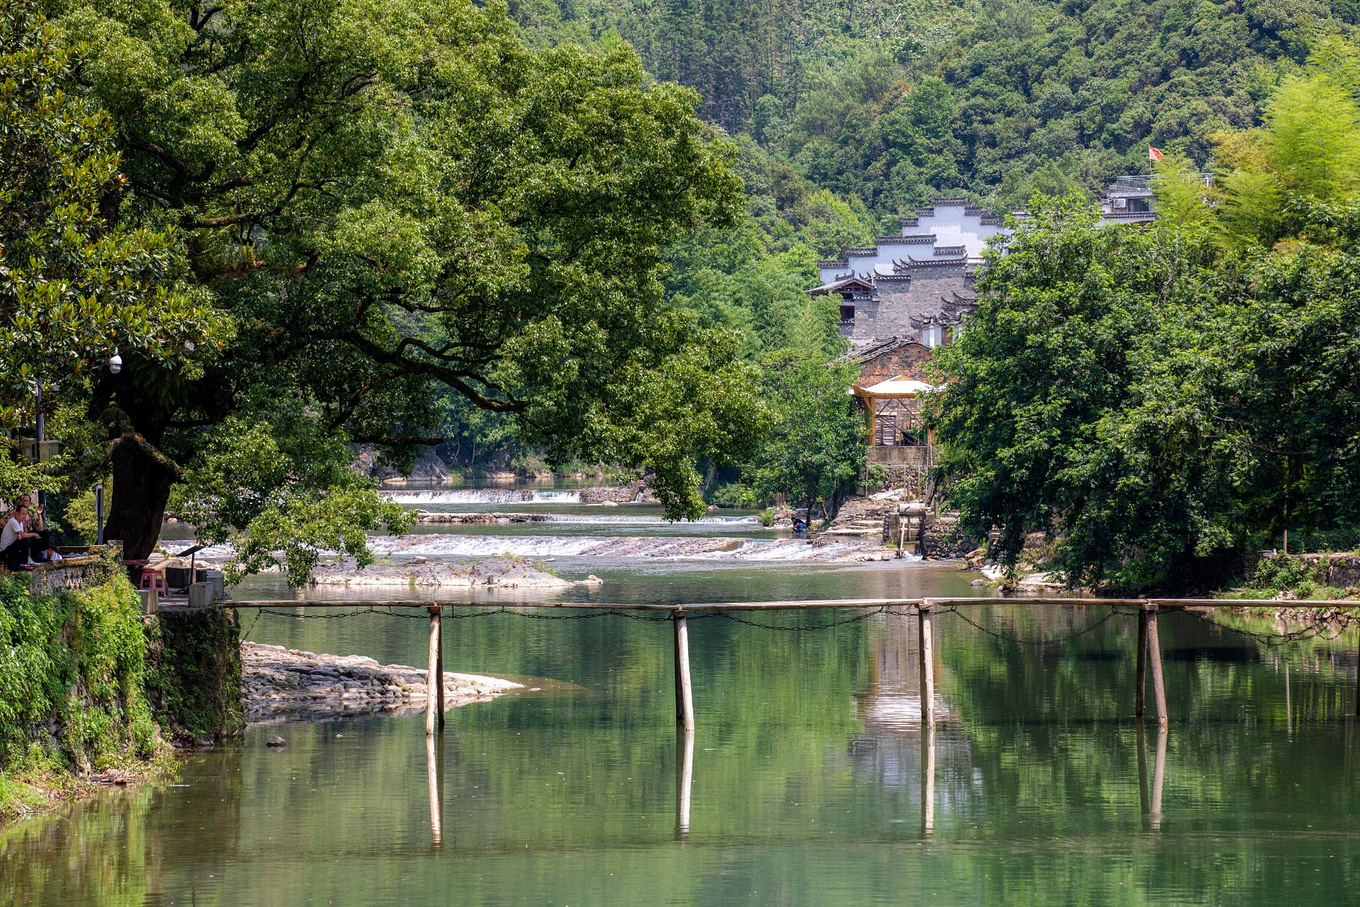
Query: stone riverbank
x=281, y=685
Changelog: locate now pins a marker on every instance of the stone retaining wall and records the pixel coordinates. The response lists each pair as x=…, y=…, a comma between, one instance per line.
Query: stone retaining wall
x=1338, y=570
x=618, y=494
x=70, y=574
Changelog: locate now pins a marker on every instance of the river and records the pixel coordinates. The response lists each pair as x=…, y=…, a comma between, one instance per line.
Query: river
x=808, y=766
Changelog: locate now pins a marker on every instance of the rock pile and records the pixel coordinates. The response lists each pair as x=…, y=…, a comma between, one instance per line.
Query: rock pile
x=498, y=572
x=291, y=685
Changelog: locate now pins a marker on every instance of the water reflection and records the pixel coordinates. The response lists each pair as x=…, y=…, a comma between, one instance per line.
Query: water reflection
x=811, y=778
x=897, y=746
x=684, y=778
x=434, y=762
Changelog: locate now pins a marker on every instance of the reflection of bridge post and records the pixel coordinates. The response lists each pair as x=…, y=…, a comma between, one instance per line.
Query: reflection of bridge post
x=434, y=761
x=927, y=779
x=1144, y=803
x=1152, y=806
x=1140, y=675
x=926, y=622
x=684, y=777
x=1158, y=777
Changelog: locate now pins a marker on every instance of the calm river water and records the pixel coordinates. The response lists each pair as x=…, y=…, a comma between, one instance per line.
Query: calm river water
x=808, y=768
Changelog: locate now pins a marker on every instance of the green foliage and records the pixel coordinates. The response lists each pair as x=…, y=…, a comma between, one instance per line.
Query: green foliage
x=78, y=518
x=876, y=475
x=1309, y=150
x=733, y=494
x=815, y=449
x=1038, y=423
x=1275, y=575
x=74, y=284
x=76, y=660
x=283, y=492
x=1183, y=198
x=896, y=101
x=1158, y=402
x=194, y=673
x=390, y=200
x=20, y=477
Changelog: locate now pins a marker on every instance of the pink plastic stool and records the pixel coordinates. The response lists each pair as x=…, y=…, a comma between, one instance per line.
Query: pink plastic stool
x=153, y=578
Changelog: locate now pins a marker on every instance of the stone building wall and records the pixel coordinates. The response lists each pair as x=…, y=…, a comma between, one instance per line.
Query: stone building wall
x=906, y=358
x=923, y=292
x=70, y=574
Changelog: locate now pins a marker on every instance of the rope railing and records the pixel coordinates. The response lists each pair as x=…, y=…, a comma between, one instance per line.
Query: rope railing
x=1148, y=650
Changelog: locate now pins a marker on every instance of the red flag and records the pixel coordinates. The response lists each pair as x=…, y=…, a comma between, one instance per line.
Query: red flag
x=1155, y=155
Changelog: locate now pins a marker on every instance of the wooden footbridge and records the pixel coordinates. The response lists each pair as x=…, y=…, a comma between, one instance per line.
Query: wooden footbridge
x=924, y=610
x=1148, y=655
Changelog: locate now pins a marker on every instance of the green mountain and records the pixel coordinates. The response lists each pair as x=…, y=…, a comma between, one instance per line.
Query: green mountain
x=893, y=101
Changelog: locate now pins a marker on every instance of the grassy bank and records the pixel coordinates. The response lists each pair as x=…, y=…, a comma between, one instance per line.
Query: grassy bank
x=75, y=698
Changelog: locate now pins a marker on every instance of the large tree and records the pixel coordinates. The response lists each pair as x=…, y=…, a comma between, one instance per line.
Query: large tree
x=1164, y=401
x=74, y=288
x=382, y=197
x=815, y=448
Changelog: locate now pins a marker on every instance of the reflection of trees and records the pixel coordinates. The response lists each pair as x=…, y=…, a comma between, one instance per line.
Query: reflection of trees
x=141, y=846
x=804, y=744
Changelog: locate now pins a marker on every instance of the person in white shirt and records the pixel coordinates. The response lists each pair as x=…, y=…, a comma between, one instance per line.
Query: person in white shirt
x=17, y=544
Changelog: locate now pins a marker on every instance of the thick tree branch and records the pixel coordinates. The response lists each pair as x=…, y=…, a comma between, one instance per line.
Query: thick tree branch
x=398, y=440
x=459, y=379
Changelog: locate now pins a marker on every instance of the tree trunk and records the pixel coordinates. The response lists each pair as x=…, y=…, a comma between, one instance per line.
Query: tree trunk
x=141, y=487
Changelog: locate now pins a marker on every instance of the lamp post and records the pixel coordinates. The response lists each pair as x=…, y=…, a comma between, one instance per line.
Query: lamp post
x=115, y=366
x=40, y=449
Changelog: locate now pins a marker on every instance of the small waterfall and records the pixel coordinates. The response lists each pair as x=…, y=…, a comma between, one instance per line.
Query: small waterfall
x=604, y=547
x=484, y=496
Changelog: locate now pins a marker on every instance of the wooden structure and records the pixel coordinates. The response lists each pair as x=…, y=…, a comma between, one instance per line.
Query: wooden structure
x=1148, y=655
x=895, y=433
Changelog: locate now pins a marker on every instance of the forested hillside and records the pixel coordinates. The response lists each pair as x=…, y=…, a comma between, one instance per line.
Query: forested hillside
x=897, y=100
x=845, y=115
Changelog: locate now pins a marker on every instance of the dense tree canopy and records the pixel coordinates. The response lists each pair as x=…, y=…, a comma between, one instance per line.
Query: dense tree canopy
x=898, y=100
x=815, y=450
x=1162, y=402
x=74, y=288
x=381, y=199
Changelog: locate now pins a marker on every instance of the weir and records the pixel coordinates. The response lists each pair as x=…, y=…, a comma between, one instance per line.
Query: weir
x=925, y=610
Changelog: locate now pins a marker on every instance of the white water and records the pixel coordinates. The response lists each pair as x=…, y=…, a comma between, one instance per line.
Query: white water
x=729, y=522
x=484, y=496
x=707, y=549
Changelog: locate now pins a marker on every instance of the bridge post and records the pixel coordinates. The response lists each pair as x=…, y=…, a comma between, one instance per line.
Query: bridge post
x=926, y=623
x=1140, y=673
x=1154, y=654
x=434, y=676
x=684, y=693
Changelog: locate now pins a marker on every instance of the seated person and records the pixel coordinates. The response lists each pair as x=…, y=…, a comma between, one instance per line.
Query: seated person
x=17, y=545
x=37, y=523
